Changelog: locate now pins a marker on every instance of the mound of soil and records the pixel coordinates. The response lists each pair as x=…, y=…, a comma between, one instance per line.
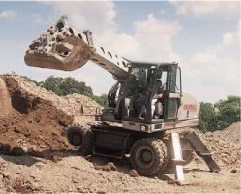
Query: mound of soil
x=5, y=100
x=29, y=123
x=225, y=153
x=231, y=133
x=77, y=104
x=74, y=104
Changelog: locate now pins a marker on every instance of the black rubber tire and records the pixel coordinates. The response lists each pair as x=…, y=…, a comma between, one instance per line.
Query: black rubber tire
x=86, y=147
x=153, y=148
x=80, y=137
x=75, y=134
x=188, y=156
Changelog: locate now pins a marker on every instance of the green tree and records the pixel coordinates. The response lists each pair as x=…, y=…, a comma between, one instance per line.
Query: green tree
x=102, y=100
x=65, y=86
x=207, y=117
x=52, y=83
x=70, y=85
x=228, y=111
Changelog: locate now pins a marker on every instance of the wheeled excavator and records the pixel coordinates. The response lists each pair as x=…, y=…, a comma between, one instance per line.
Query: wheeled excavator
x=145, y=102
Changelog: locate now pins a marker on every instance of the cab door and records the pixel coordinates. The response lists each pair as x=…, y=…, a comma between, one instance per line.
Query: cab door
x=174, y=93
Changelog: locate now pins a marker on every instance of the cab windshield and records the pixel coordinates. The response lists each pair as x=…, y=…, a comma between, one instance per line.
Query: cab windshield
x=140, y=80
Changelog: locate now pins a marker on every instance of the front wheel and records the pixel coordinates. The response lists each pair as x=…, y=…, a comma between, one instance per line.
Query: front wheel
x=149, y=156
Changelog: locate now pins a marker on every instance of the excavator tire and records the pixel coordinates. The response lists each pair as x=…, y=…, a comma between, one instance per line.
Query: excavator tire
x=86, y=148
x=80, y=137
x=149, y=156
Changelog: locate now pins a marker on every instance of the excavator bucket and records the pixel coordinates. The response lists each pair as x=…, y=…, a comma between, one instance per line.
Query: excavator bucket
x=60, y=48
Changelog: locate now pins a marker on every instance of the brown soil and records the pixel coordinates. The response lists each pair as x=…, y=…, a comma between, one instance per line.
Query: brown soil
x=75, y=174
x=70, y=104
x=225, y=153
x=34, y=125
x=231, y=133
x=5, y=100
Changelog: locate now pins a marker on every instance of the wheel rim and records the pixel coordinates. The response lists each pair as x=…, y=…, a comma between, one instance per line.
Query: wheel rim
x=76, y=139
x=146, y=156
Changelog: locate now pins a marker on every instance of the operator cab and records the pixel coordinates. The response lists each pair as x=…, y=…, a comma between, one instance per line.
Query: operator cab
x=151, y=95
x=152, y=92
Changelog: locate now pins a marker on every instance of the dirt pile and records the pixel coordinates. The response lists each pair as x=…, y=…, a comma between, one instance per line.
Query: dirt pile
x=29, y=123
x=77, y=104
x=225, y=153
x=5, y=100
x=231, y=133
x=74, y=104
x=32, y=119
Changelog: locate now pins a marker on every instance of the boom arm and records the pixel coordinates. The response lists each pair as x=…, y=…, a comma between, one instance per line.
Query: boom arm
x=64, y=48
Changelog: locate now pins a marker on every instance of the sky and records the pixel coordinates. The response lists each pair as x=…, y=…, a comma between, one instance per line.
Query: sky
x=202, y=36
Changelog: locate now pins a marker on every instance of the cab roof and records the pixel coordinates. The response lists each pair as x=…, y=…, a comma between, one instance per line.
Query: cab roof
x=150, y=64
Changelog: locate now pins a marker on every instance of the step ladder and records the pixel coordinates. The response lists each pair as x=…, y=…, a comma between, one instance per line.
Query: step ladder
x=203, y=152
x=197, y=145
x=177, y=158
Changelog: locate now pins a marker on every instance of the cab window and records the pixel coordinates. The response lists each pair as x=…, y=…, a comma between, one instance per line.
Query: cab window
x=175, y=81
x=178, y=81
x=164, y=79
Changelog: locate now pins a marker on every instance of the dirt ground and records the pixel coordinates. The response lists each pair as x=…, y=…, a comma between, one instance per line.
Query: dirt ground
x=75, y=174
x=36, y=157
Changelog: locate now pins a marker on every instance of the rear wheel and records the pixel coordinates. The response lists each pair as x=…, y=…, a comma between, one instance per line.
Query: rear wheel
x=75, y=134
x=149, y=156
x=81, y=137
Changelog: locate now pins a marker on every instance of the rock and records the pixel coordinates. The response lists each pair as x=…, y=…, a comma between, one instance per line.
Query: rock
x=233, y=171
x=174, y=182
x=88, y=157
x=56, y=158
x=112, y=166
x=16, y=130
x=5, y=175
x=98, y=167
x=106, y=168
x=134, y=173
